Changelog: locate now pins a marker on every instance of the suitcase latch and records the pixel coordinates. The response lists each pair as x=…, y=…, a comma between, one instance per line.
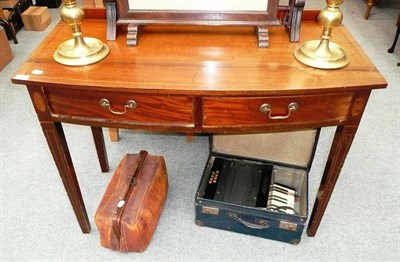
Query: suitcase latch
x=287, y=225
x=210, y=210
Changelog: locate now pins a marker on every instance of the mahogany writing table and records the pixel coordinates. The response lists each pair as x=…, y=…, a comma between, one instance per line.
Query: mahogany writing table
x=198, y=80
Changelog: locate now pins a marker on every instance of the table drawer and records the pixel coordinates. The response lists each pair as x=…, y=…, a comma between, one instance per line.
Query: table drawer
x=133, y=108
x=265, y=111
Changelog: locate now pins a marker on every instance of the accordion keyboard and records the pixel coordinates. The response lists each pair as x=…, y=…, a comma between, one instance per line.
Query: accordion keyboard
x=281, y=199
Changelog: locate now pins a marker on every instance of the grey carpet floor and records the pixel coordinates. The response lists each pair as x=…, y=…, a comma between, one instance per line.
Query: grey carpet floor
x=361, y=222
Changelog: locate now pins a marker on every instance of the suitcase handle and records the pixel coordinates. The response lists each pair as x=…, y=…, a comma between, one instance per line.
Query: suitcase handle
x=262, y=224
x=116, y=220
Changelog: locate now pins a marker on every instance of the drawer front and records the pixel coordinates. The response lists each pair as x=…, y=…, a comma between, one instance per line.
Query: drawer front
x=265, y=111
x=133, y=108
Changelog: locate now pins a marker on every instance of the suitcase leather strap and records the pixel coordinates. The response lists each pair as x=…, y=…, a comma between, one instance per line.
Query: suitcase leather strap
x=116, y=220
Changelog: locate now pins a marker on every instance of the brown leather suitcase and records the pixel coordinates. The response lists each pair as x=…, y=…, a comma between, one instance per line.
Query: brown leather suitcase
x=131, y=206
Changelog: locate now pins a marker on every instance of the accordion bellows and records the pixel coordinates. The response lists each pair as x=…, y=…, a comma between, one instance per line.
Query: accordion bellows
x=130, y=209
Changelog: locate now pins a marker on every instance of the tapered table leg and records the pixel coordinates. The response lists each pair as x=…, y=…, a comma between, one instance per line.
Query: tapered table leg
x=98, y=137
x=340, y=147
x=57, y=143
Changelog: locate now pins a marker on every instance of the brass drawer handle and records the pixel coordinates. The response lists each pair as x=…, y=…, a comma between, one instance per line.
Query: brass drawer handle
x=130, y=104
x=266, y=108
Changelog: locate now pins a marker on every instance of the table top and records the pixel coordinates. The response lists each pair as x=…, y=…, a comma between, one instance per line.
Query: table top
x=200, y=60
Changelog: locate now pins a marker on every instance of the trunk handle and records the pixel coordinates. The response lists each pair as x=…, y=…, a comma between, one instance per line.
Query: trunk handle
x=261, y=224
x=116, y=220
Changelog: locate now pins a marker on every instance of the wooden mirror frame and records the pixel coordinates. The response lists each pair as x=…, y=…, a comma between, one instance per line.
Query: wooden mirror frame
x=119, y=12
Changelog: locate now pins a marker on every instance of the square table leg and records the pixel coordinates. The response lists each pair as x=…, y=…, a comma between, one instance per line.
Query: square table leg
x=98, y=137
x=57, y=143
x=339, y=149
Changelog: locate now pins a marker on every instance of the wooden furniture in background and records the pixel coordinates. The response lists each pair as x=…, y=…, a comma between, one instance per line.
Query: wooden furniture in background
x=114, y=134
x=205, y=80
x=10, y=28
x=93, y=4
x=396, y=37
x=370, y=4
x=6, y=54
x=93, y=12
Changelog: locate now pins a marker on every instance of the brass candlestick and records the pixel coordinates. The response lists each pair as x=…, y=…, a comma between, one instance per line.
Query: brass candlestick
x=80, y=50
x=323, y=53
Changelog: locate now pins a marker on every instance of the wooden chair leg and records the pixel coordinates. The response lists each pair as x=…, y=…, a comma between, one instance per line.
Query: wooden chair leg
x=396, y=37
x=370, y=4
x=391, y=49
x=114, y=134
x=10, y=29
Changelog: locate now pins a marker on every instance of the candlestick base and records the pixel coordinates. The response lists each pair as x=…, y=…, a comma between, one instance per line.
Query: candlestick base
x=79, y=52
x=322, y=54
